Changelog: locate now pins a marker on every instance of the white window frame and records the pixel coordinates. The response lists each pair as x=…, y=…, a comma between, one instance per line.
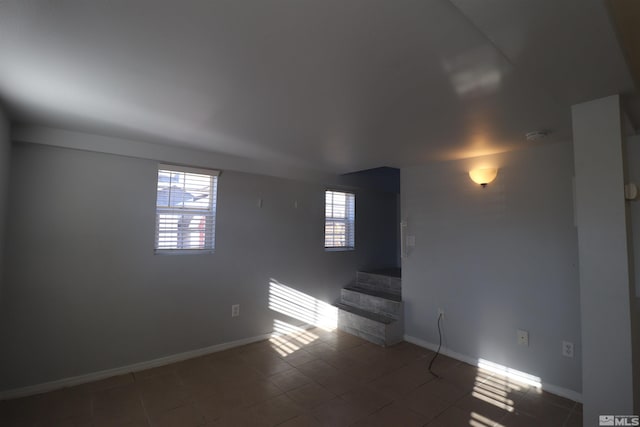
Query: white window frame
x=208, y=212
x=348, y=221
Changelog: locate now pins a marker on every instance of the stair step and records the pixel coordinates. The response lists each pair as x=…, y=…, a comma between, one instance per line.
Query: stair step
x=373, y=327
x=372, y=308
x=364, y=313
x=389, y=272
x=374, y=293
x=379, y=282
x=382, y=303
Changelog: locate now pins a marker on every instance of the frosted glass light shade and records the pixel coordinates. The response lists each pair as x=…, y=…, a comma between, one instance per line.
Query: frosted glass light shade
x=483, y=176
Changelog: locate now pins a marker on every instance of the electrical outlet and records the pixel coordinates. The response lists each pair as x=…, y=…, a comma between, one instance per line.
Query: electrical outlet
x=441, y=313
x=523, y=337
x=235, y=310
x=567, y=349
x=411, y=241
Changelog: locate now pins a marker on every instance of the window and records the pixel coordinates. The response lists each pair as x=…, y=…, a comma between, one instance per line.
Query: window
x=185, y=209
x=340, y=217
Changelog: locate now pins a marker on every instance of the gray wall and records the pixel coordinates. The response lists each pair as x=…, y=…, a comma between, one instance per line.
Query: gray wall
x=496, y=259
x=85, y=291
x=604, y=260
x=5, y=152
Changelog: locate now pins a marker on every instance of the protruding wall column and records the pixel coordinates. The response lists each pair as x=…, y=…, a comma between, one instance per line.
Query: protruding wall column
x=607, y=386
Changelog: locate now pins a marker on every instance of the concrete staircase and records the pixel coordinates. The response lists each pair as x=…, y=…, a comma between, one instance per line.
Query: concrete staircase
x=372, y=309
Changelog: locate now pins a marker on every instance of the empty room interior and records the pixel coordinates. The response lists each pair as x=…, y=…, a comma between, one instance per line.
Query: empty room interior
x=319, y=213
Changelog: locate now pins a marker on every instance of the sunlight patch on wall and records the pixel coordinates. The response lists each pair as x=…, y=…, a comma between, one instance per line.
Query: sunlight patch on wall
x=301, y=306
x=474, y=73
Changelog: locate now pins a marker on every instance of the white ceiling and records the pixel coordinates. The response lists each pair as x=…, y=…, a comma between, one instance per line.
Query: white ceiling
x=334, y=85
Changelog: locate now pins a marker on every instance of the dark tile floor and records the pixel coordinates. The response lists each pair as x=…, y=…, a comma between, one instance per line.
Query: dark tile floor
x=307, y=378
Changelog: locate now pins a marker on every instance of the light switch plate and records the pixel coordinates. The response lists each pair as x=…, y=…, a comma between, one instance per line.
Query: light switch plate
x=523, y=337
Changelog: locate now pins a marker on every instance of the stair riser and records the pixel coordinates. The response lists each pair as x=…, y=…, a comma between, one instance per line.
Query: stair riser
x=371, y=338
x=377, y=282
x=371, y=303
x=355, y=322
x=375, y=332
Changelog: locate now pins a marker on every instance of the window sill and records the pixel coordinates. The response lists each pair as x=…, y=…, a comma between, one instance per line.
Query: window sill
x=339, y=249
x=183, y=252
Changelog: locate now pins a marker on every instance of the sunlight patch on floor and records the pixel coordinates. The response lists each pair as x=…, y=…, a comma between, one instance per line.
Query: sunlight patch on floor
x=492, y=399
x=478, y=420
x=286, y=338
x=494, y=385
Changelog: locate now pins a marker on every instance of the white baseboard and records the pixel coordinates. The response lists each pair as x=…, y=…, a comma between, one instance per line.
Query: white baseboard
x=551, y=388
x=94, y=376
x=136, y=367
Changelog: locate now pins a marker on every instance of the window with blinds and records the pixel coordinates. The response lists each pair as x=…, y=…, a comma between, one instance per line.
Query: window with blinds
x=340, y=217
x=185, y=209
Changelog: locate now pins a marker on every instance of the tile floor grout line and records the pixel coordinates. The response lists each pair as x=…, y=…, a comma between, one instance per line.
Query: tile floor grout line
x=144, y=407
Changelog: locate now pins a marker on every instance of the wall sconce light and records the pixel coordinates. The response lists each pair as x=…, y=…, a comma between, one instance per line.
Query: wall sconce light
x=483, y=176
